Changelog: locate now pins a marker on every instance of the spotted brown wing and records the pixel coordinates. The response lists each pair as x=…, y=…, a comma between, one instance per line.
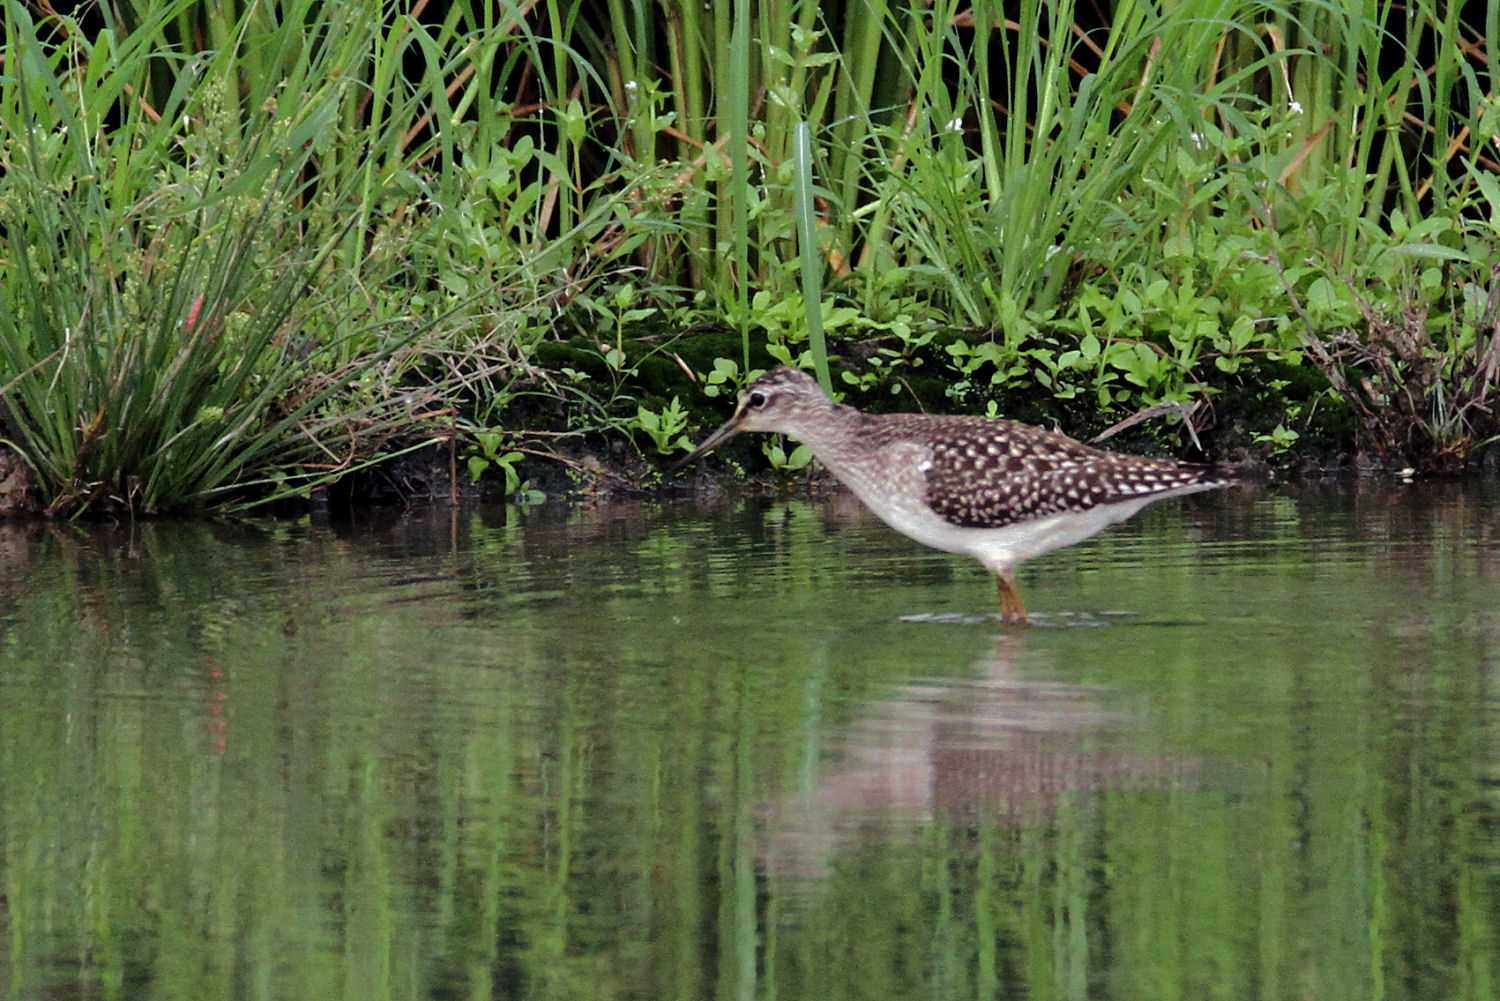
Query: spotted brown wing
x=1000, y=473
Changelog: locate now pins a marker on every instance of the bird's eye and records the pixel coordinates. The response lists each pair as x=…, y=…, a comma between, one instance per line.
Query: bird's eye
x=757, y=400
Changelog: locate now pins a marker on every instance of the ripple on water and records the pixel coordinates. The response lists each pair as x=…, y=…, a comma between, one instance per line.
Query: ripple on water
x=1041, y=620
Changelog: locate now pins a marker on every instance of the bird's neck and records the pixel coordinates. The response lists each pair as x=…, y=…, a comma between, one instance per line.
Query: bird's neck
x=833, y=436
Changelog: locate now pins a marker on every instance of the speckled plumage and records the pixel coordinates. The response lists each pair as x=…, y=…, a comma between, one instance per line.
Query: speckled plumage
x=997, y=490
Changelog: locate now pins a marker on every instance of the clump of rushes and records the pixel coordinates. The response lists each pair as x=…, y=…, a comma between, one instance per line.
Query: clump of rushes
x=207, y=294
x=171, y=371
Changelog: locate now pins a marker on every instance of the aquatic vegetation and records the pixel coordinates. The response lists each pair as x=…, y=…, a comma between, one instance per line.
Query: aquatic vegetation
x=400, y=210
x=204, y=303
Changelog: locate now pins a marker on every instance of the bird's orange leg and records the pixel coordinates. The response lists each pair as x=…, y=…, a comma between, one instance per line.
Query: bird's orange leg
x=1011, y=609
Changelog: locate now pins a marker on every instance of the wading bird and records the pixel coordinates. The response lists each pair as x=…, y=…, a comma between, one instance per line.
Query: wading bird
x=999, y=491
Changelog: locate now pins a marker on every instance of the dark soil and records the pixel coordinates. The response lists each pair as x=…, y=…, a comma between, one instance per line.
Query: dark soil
x=17, y=484
x=608, y=464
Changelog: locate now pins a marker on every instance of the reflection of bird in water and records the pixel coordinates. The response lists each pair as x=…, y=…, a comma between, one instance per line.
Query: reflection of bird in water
x=998, y=491
x=996, y=748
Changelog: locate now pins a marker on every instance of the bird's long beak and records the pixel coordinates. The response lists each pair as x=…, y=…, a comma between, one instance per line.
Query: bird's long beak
x=728, y=430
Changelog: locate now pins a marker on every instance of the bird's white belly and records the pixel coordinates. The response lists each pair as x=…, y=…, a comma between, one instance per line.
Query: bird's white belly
x=902, y=505
x=999, y=549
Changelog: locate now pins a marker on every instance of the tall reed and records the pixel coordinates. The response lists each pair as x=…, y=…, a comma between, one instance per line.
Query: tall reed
x=191, y=302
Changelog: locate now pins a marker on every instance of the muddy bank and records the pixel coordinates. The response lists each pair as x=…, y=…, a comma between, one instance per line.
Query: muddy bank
x=614, y=465
x=551, y=459
x=17, y=484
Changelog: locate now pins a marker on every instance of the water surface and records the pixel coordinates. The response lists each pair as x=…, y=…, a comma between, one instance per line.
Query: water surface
x=1250, y=749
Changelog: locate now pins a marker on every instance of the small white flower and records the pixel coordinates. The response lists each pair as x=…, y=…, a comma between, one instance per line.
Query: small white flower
x=1295, y=107
x=631, y=86
x=957, y=125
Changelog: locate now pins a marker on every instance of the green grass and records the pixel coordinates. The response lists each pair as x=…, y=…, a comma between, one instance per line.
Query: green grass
x=242, y=278
x=168, y=264
x=377, y=214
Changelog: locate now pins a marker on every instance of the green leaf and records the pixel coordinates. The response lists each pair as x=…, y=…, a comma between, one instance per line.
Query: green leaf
x=1241, y=333
x=1177, y=247
x=576, y=122
x=835, y=317
x=1431, y=251
x=1321, y=296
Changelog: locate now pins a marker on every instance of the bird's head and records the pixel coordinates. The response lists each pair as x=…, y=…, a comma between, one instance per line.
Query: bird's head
x=784, y=400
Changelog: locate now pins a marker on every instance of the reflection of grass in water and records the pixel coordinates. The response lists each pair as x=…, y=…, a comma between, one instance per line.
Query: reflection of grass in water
x=568, y=797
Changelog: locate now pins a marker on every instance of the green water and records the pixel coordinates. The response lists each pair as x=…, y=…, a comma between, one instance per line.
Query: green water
x=1250, y=749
